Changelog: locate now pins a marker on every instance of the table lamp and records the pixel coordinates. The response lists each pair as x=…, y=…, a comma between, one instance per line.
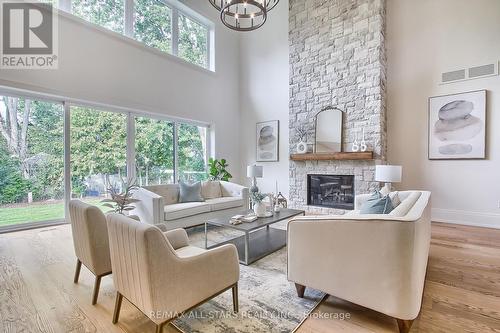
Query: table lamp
x=388, y=174
x=254, y=172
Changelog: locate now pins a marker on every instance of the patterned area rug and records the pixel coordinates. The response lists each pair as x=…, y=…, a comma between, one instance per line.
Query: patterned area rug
x=268, y=302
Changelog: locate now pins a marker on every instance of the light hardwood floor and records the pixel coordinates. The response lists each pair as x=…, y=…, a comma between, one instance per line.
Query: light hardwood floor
x=37, y=294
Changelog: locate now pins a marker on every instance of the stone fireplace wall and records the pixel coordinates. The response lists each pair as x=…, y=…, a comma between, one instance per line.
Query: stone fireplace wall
x=337, y=57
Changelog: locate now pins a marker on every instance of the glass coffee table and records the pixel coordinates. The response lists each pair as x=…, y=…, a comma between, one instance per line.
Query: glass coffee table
x=259, y=239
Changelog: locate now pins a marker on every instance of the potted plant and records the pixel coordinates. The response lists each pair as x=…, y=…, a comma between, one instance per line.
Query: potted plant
x=121, y=201
x=217, y=170
x=259, y=207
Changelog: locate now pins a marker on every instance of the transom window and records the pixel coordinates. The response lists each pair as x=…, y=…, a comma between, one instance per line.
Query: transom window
x=166, y=25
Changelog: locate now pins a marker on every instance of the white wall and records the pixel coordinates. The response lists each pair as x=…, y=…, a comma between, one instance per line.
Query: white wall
x=101, y=67
x=425, y=38
x=264, y=94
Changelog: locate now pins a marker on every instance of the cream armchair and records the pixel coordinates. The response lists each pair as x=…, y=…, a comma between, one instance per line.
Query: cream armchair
x=376, y=261
x=90, y=239
x=162, y=275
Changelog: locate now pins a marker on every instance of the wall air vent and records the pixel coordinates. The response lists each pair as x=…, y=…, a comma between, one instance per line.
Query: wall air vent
x=485, y=70
x=470, y=73
x=453, y=76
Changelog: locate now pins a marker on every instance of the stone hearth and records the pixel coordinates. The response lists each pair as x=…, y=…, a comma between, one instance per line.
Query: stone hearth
x=337, y=57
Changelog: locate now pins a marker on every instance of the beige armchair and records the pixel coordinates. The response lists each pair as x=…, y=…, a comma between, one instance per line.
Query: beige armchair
x=90, y=239
x=162, y=275
x=376, y=261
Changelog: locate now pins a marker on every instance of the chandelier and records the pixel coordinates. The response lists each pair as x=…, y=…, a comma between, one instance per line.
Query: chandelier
x=243, y=15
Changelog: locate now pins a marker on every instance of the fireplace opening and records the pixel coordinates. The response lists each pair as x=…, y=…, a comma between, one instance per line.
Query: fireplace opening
x=331, y=191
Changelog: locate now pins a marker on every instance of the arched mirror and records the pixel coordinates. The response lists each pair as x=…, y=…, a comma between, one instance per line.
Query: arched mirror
x=329, y=122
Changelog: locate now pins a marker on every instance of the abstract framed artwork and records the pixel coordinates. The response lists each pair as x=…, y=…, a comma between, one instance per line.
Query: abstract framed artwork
x=457, y=126
x=267, y=144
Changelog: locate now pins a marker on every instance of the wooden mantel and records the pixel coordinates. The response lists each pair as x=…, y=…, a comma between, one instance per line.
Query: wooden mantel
x=346, y=156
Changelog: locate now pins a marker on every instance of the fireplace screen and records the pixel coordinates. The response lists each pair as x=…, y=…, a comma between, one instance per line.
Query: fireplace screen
x=331, y=191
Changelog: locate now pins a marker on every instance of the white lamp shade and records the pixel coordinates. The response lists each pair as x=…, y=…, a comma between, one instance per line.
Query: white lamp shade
x=388, y=173
x=255, y=171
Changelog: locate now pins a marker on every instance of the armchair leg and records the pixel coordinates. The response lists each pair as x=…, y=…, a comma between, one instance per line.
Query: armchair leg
x=159, y=327
x=97, y=285
x=235, y=298
x=118, y=305
x=404, y=325
x=77, y=271
x=300, y=290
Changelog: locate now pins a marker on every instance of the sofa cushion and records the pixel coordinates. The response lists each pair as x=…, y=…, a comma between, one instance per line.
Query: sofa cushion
x=211, y=189
x=169, y=192
x=189, y=251
x=395, y=199
x=225, y=203
x=180, y=210
x=406, y=205
x=377, y=204
x=190, y=192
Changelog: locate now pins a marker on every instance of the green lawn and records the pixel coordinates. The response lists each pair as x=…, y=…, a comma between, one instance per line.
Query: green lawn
x=36, y=212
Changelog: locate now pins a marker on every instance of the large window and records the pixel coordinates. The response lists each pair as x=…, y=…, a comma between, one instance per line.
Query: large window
x=51, y=152
x=192, y=152
x=31, y=161
x=98, y=152
x=154, y=151
x=168, y=26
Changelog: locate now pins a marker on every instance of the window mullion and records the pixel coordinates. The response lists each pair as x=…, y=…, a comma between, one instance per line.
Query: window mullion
x=176, y=153
x=129, y=18
x=131, y=168
x=175, y=31
x=67, y=159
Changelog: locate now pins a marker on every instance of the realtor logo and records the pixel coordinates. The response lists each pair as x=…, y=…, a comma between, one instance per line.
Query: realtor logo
x=29, y=32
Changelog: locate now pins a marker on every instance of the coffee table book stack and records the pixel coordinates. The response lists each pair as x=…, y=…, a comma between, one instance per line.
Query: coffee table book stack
x=258, y=239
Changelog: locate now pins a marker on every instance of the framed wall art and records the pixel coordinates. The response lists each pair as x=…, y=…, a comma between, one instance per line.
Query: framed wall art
x=267, y=141
x=457, y=126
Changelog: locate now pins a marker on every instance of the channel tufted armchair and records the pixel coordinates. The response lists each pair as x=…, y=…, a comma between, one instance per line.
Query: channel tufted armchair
x=90, y=239
x=164, y=276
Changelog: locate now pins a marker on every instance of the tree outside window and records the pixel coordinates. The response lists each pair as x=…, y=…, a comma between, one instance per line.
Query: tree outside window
x=153, y=24
x=106, y=13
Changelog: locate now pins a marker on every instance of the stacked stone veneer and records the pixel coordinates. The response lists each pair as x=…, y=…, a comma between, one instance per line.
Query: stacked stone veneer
x=337, y=57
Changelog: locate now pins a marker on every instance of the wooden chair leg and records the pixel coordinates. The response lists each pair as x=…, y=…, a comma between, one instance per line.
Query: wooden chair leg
x=159, y=327
x=97, y=284
x=77, y=271
x=235, y=298
x=118, y=305
x=300, y=290
x=404, y=325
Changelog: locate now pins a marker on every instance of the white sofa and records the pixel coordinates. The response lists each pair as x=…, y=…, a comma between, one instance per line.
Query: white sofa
x=376, y=261
x=159, y=204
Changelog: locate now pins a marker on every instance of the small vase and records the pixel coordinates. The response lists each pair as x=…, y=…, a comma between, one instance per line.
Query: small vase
x=259, y=209
x=355, y=146
x=363, y=146
x=301, y=147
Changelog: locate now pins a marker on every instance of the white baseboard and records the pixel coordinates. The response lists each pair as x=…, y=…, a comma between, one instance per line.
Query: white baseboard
x=477, y=219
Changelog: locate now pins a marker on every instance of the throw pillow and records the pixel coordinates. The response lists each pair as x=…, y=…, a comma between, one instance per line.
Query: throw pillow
x=190, y=192
x=407, y=204
x=395, y=199
x=210, y=189
x=377, y=204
